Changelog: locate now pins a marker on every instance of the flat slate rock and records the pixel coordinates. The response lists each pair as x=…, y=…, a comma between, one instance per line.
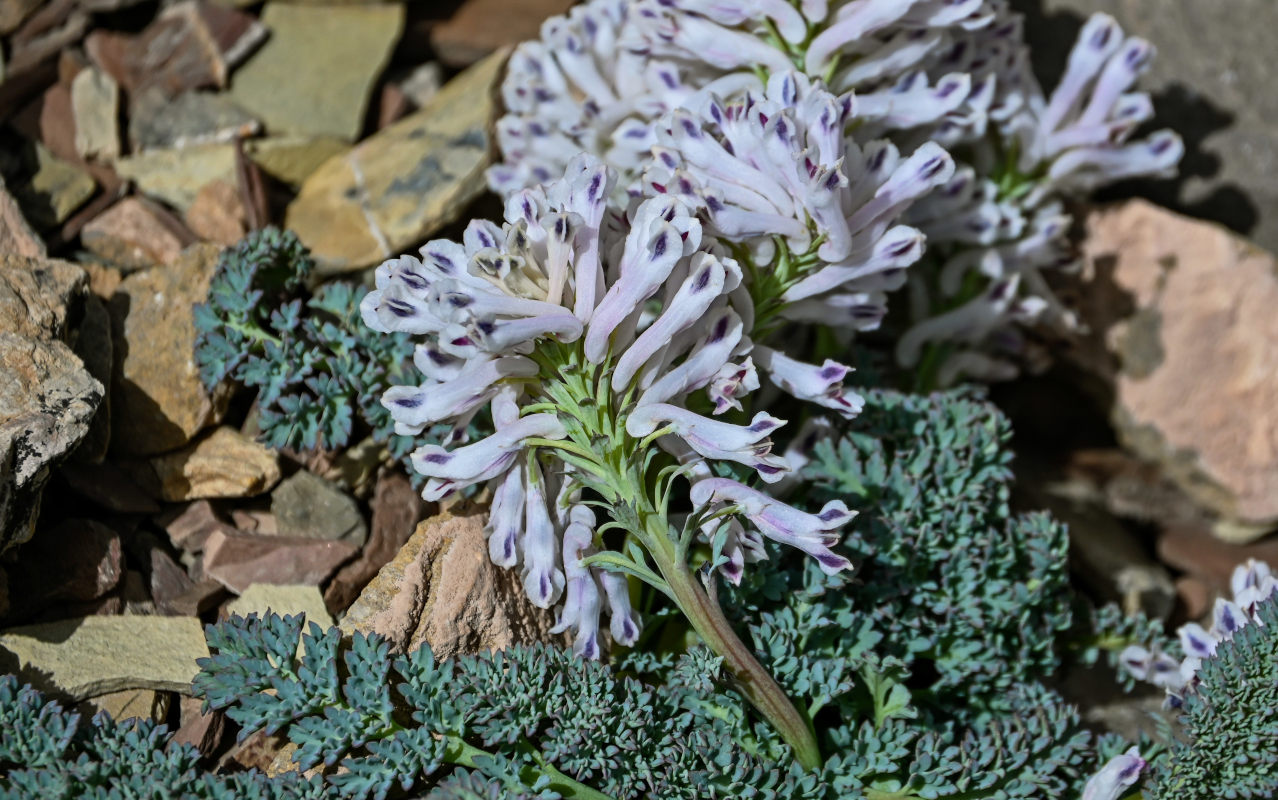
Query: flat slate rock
x=157, y=122
x=177, y=175
x=91, y=656
x=403, y=183
x=328, y=57
x=308, y=506
x=284, y=600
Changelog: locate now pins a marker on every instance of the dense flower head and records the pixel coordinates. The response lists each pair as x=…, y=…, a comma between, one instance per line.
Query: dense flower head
x=1252, y=583
x=584, y=329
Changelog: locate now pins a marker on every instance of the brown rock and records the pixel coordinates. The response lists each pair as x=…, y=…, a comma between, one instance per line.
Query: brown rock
x=158, y=399
x=168, y=581
x=442, y=590
x=257, y=751
x=1182, y=321
x=131, y=236
x=239, y=560
x=189, y=526
x=76, y=561
x=13, y=12
x=470, y=34
x=403, y=183
x=202, y=730
x=251, y=521
x=217, y=214
x=190, y=45
x=65, y=29
x=1195, y=596
x=397, y=508
x=201, y=597
x=92, y=343
x=103, y=280
x=225, y=463
x=108, y=486
x=132, y=704
x=16, y=235
x=1199, y=553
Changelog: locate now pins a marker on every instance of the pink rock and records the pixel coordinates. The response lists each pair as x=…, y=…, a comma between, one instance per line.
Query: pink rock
x=397, y=508
x=239, y=560
x=190, y=526
x=132, y=236
x=201, y=730
x=1183, y=324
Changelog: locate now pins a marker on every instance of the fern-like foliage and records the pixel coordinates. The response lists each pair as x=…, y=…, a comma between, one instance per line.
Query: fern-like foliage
x=968, y=597
x=318, y=371
x=1230, y=720
x=534, y=722
x=48, y=752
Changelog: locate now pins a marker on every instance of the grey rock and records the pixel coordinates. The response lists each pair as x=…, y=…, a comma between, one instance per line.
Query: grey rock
x=157, y=122
x=95, y=101
x=1211, y=82
x=307, y=506
x=47, y=397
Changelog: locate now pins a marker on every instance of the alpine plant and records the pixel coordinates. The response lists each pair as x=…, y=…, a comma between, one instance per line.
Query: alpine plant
x=627, y=80
x=594, y=337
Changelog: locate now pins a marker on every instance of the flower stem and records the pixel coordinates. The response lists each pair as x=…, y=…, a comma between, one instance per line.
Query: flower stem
x=708, y=620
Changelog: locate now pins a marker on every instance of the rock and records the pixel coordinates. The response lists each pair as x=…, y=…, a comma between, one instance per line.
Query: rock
x=16, y=234
x=239, y=560
x=59, y=26
x=103, y=280
x=190, y=526
x=176, y=176
x=168, y=581
x=1180, y=313
x=442, y=590
x=201, y=730
x=107, y=485
x=47, y=397
x=307, y=506
x=76, y=561
x=217, y=214
x=470, y=34
x=157, y=122
x=92, y=344
x=201, y=597
x=157, y=398
x=292, y=159
x=397, y=508
x=1204, y=86
x=1196, y=551
x=190, y=45
x=50, y=120
x=130, y=236
x=1195, y=596
x=423, y=83
x=95, y=101
x=13, y=12
x=133, y=704
x=224, y=463
x=283, y=600
x=1132, y=488
x=403, y=183
x=329, y=57
x=55, y=190
x=250, y=521
x=92, y=656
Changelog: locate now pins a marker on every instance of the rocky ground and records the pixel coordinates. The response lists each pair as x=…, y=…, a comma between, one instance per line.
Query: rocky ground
x=137, y=140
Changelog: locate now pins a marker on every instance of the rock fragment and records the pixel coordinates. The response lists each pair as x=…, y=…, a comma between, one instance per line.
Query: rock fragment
x=284, y=600
x=239, y=560
x=308, y=506
x=131, y=236
x=95, y=102
x=469, y=34
x=224, y=463
x=177, y=176
x=16, y=234
x=397, y=508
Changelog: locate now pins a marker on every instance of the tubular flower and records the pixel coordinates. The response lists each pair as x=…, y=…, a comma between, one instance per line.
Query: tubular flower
x=583, y=331
x=1252, y=583
x=1119, y=773
x=778, y=165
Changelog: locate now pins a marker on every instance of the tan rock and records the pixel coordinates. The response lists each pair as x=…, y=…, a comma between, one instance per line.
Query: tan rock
x=217, y=214
x=176, y=176
x=91, y=656
x=261, y=598
x=292, y=158
x=442, y=590
x=469, y=34
x=158, y=401
x=328, y=56
x=133, y=704
x=13, y=12
x=56, y=190
x=224, y=463
x=103, y=280
x=1182, y=321
x=400, y=185
x=95, y=101
x=239, y=560
x=16, y=234
x=131, y=236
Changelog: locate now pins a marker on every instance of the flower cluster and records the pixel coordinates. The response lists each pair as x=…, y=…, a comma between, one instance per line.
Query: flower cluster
x=1252, y=583
x=1118, y=774
x=731, y=101
x=585, y=330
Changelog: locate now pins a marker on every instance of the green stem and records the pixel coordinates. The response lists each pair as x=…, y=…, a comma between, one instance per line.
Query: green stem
x=707, y=618
x=464, y=754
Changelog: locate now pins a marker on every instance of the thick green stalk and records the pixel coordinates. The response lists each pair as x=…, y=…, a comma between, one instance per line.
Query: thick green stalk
x=708, y=620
